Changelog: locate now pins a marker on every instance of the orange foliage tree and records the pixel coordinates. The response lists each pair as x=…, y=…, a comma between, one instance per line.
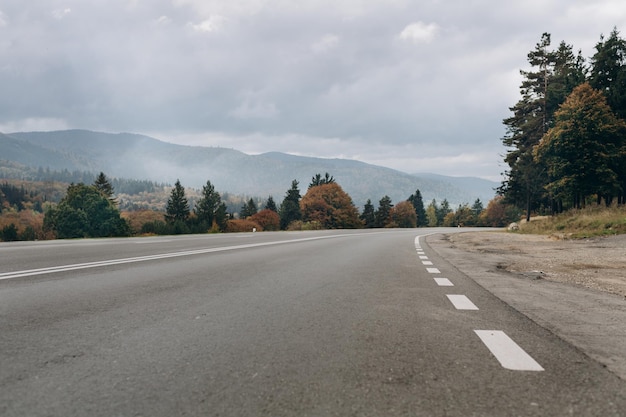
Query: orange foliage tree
x=267, y=219
x=403, y=215
x=332, y=207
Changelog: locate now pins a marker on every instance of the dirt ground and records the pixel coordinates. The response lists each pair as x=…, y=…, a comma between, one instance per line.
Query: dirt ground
x=597, y=263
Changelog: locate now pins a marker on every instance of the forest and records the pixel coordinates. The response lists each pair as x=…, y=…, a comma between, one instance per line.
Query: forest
x=27, y=211
x=566, y=137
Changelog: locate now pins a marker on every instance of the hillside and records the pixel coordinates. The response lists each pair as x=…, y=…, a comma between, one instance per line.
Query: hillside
x=141, y=157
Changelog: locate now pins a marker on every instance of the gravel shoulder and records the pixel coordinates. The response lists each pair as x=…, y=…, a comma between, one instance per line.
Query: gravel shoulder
x=574, y=288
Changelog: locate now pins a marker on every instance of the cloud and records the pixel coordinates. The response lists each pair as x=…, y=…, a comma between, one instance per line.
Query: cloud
x=3, y=19
x=419, y=32
x=59, y=14
x=325, y=44
x=34, y=125
x=212, y=24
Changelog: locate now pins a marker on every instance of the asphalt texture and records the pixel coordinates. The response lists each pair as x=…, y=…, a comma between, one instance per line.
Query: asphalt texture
x=277, y=324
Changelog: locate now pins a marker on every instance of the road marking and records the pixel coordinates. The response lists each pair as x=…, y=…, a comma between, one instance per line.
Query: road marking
x=507, y=352
x=444, y=282
x=461, y=302
x=417, y=242
x=423, y=257
x=427, y=263
x=86, y=265
x=433, y=271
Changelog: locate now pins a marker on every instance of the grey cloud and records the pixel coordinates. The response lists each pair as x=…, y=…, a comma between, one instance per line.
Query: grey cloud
x=377, y=80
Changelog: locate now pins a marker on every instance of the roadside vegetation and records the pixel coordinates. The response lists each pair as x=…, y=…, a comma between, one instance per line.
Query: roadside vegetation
x=95, y=210
x=591, y=221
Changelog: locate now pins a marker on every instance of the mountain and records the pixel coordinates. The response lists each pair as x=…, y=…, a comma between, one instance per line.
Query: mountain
x=126, y=155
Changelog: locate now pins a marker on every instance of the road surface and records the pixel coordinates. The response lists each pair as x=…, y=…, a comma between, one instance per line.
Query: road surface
x=334, y=323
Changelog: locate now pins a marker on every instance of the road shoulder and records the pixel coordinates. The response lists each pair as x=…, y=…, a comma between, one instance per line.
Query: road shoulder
x=594, y=321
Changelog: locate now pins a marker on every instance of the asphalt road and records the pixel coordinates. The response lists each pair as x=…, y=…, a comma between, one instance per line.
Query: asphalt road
x=343, y=323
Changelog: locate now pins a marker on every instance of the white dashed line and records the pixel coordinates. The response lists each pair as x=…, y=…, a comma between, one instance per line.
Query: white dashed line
x=444, y=282
x=433, y=271
x=507, y=352
x=461, y=302
x=427, y=262
x=423, y=257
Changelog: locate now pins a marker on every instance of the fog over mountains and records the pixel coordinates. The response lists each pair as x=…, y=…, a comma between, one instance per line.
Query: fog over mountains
x=141, y=157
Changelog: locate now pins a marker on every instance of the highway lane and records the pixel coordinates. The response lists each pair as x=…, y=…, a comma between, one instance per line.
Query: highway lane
x=329, y=323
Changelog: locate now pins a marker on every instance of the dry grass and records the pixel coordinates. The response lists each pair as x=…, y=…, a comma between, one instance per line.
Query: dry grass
x=577, y=224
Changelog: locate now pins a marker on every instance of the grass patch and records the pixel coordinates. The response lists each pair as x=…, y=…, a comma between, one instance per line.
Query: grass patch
x=577, y=224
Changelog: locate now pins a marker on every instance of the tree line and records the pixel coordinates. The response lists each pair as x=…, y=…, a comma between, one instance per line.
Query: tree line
x=566, y=137
x=92, y=210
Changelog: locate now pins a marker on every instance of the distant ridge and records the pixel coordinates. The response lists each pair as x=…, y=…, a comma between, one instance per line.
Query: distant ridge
x=129, y=155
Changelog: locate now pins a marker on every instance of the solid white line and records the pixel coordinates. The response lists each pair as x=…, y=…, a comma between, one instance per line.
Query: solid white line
x=507, y=352
x=433, y=271
x=444, y=282
x=461, y=302
x=427, y=263
x=72, y=267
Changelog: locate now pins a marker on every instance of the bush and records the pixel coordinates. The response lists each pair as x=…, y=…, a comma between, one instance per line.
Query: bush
x=242, y=225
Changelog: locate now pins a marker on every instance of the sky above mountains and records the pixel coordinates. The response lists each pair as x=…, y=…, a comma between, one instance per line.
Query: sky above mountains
x=418, y=86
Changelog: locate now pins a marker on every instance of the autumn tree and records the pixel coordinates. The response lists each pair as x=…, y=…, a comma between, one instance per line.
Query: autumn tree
x=290, y=207
x=432, y=214
x=402, y=215
x=585, y=151
x=268, y=219
x=330, y=206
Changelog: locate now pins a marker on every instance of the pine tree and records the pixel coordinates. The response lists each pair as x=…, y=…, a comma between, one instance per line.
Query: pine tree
x=608, y=73
x=319, y=180
x=271, y=205
x=383, y=211
x=368, y=217
x=248, y=209
x=103, y=185
x=290, y=207
x=585, y=150
x=420, y=211
x=177, y=209
x=206, y=208
x=554, y=75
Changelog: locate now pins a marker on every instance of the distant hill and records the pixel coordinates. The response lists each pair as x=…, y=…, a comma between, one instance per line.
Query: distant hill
x=126, y=155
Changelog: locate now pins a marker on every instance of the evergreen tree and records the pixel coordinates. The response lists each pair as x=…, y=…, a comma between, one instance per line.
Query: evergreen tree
x=585, y=150
x=477, y=207
x=103, y=185
x=368, y=217
x=290, y=207
x=554, y=74
x=85, y=212
x=319, y=180
x=383, y=211
x=248, y=209
x=177, y=209
x=420, y=211
x=206, y=208
x=271, y=205
x=608, y=73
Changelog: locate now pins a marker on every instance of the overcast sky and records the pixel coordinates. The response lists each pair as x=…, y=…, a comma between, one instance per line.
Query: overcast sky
x=415, y=85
